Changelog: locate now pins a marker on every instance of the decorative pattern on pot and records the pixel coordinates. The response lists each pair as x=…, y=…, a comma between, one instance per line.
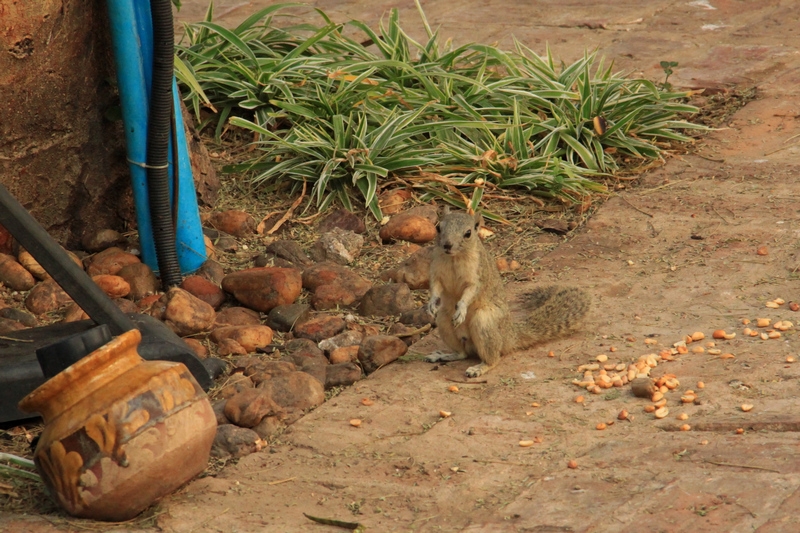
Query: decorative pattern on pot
x=120, y=432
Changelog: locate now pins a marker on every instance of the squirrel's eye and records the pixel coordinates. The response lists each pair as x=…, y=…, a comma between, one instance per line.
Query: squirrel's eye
x=467, y=234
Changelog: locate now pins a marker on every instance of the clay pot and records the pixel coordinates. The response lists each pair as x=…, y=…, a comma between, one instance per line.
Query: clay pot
x=120, y=432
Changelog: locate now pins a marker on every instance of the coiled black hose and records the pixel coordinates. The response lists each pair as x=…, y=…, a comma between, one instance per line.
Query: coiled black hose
x=158, y=140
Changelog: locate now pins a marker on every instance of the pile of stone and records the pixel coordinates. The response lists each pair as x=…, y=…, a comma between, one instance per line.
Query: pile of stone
x=277, y=334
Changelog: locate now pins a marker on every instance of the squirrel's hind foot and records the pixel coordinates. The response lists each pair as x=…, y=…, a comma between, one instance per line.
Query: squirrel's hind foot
x=440, y=357
x=477, y=370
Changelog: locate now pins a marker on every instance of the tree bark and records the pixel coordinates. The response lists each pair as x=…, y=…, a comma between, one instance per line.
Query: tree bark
x=62, y=145
x=59, y=155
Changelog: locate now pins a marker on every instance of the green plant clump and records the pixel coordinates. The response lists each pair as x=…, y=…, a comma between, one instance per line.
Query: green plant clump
x=347, y=116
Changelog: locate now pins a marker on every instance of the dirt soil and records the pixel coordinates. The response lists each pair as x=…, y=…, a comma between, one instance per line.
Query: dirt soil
x=674, y=253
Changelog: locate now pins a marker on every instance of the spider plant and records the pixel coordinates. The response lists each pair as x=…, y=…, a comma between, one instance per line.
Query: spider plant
x=349, y=116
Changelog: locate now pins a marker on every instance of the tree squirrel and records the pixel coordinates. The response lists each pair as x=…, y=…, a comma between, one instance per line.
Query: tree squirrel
x=469, y=302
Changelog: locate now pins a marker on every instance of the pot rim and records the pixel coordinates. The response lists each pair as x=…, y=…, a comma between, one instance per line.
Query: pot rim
x=87, y=374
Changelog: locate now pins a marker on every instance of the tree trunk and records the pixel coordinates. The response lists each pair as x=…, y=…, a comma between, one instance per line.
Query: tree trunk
x=59, y=155
x=62, y=146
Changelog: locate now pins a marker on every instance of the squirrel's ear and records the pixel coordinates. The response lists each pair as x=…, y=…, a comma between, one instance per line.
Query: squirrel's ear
x=478, y=220
x=446, y=210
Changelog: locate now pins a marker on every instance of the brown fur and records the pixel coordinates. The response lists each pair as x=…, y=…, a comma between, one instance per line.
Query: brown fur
x=471, y=306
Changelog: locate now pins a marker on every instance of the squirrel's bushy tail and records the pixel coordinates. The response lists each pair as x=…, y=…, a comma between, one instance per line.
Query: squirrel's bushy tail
x=553, y=312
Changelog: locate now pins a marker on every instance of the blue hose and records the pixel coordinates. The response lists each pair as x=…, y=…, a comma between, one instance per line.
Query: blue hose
x=132, y=42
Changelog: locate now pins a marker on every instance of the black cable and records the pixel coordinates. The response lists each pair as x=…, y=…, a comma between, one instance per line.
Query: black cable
x=158, y=139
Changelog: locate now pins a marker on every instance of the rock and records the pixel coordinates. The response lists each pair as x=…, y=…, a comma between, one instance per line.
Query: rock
x=333, y=296
x=113, y=286
x=342, y=375
x=345, y=354
x=19, y=315
x=339, y=246
x=307, y=357
x=212, y=271
x=32, y=265
x=141, y=279
x=417, y=317
x=45, y=297
x=334, y=285
x=13, y=275
x=554, y=225
x=125, y=305
x=219, y=410
x=153, y=305
x=264, y=370
x=234, y=384
x=414, y=225
x=319, y=328
x=109, y=261
x=249, y=337
x=392, y=201
x=221, y=240
x=387, y=300
x=200, y=287
x=97, y=240
x=414, y=271
x=8, y=325
x=237, y=316
x=304, y=347
x=284, y=317
x=347, y=338
x=342, y=219
x=642, y=387
x=234, y=442
x=6, y=241
x=248, y=407
x=186, y=314
x=226, y=347
x=214, y=366
x=366, y=330
x=290, y=251
x=234, y=222
x=428, y=212
x=403, y=332
x=295, y=392
x=74, y=313
x=264, y=288
x=380, y=350
x=271, y=260
x=269, y=426
x=242, y=364
x=197, y=347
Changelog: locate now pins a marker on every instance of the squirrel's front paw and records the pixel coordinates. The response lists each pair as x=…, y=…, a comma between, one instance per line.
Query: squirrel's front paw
x=460, y=315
